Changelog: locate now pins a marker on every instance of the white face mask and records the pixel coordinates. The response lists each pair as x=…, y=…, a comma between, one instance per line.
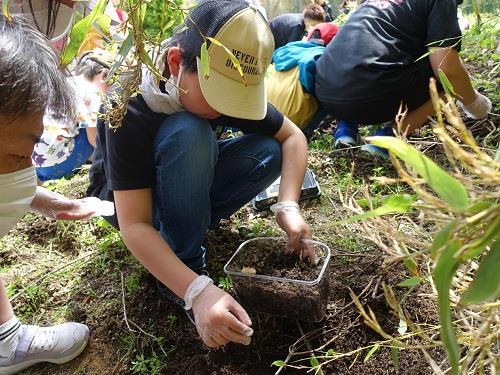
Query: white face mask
x=17, y=190
x=157, y=100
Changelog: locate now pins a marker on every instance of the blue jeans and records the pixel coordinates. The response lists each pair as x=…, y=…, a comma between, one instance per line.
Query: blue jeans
x=200, y=180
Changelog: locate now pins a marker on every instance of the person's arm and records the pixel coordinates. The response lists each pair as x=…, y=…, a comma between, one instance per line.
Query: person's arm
x=294, y=164
x=219, y=318
x=448, y=60
x=474, y=104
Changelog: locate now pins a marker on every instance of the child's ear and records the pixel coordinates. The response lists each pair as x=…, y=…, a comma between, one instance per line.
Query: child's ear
x=174, y=60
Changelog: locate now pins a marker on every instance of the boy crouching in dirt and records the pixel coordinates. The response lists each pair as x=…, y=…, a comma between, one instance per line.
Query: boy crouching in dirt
x=171, y=179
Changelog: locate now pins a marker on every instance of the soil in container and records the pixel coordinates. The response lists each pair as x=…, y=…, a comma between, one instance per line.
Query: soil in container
x=287, y=298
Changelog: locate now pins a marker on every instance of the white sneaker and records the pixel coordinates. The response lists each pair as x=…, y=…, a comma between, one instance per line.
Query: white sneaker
x=56, y=344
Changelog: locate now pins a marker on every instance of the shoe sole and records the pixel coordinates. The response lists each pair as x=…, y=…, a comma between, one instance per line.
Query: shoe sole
x=14, y=369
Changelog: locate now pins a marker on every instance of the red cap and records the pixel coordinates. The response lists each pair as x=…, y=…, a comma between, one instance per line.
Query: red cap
x=327, y=31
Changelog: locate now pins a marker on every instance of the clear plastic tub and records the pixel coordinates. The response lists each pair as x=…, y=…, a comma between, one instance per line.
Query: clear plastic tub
x=295, y=298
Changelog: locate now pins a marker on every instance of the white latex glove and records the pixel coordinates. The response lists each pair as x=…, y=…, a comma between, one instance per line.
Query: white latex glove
x=56, y=206
x=220, y=319
x=479, y=108
x=291, y=221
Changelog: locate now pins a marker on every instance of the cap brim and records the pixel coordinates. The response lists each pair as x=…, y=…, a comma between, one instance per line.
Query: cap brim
x=232, y=98
x=63, y=23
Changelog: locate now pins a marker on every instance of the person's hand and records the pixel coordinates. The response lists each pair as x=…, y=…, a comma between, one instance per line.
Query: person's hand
x=220, y=319
x=56, y=206
x=478, y=109
x=291, y=221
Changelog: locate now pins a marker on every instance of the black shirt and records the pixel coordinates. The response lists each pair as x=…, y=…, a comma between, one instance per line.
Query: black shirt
x=287, y=28
x=124, y=157
x=380, y=43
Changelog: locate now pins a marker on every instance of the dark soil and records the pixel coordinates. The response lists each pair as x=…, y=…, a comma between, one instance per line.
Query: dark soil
x=296, y=292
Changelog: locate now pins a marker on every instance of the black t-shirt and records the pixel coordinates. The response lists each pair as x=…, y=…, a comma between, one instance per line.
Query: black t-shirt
x=379, y=45
x=287, y=28
x=124, y=157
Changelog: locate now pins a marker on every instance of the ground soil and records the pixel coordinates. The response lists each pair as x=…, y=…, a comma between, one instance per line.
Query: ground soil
x=298, y=290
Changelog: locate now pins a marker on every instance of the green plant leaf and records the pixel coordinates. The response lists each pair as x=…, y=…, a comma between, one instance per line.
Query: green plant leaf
x=444, y=270
x=122, y=54
x=314, y=361
x=104, y=22
x=233, y=58
x=442, y=238
x=278, y=363
x=409, y=262
x=394, y=204
x=5, y=9
x=479, y=206
x=205, y=60
x=444, y=185
x=371, y=352
x=412, y=281
x=79, y=31
x=424, y=55
x=445, y=82
x=395, y=357
x=491, y=234
x=486, y=283
x=330, y=352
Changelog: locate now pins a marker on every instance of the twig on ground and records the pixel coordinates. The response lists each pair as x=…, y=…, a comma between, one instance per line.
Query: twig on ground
x=124, y=306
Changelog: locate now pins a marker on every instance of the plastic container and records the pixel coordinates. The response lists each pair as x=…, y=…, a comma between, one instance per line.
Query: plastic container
x=301, y=299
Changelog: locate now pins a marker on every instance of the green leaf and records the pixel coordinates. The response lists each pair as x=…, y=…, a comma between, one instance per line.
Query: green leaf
x=443, y=273
x=146, y=59
x=409, y=262
x=412, y=281
x=205, y=60
x=395, y=204
x=233, y=59
x=122, y=54
x=448, y=87
x=424, y=56
x=479, y=206
x=395, y=357
x=444, y=185
x=278, y=363
x=371, y=352
x=314, y=361
x=442, y=238
x=5, y=9
x=486, y=283
x=79, y=31
x=330, y=352
x=104, y=21
x=491, y=234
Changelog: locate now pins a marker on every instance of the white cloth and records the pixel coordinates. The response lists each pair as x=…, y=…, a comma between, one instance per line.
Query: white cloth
x=17, y=190
x=157, y=100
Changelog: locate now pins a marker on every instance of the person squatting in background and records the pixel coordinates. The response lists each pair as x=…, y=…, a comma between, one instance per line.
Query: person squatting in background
x=292, y=27
x=374, y=64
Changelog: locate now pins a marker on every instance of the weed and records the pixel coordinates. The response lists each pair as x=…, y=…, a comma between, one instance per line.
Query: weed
x=147, y=366
x=133, y=282
x=225, y=283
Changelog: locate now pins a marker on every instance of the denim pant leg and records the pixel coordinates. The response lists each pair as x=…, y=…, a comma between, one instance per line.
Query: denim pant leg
x=185, y=158
x=246, y=166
